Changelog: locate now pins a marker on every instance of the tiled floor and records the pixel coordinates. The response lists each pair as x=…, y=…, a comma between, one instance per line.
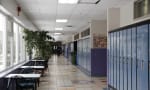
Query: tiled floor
x=64, y=76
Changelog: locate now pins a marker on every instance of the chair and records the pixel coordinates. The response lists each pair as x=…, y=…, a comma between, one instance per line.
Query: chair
x=23, y=83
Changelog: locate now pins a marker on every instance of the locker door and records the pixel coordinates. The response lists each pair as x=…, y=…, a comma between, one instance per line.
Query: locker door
x=121, y=60
x=118, y=62
x=112, y=66
x=125, y=58
x=115, y=72
x=108, y=59
x=78, y=52
x=134, y=69
x=109, y=71
x=89, y=54
x=82, y=53
x=87, y=58
x=149, y=56
x=129, y=63
x=142, y=57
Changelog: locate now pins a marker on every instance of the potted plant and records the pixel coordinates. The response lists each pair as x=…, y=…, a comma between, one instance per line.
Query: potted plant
x=73, y=58
x=40, y=41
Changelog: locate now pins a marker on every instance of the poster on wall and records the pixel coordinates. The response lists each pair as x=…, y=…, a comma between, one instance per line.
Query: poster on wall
x=99, y=41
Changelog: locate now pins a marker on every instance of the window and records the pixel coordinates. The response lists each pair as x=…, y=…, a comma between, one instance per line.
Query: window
x=21, y=45
x=2, y=42
x=15, y=46
x=9, y=48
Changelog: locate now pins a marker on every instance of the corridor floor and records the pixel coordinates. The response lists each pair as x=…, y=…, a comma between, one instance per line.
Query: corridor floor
x=64, y=76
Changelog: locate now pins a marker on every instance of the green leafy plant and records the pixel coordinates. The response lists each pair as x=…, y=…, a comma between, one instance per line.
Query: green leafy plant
x=73, y=58
x=40, y=41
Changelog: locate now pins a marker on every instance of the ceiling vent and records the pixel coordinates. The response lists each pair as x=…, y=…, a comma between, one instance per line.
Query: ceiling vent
x=88, y=2
x=69, y=26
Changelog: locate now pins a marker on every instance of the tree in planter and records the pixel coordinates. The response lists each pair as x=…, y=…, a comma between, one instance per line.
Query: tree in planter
x=73, y=58
x=39, y=41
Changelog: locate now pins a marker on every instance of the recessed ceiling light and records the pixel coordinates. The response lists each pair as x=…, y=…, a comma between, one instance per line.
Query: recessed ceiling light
x=68, y=1
x=58, y=28
x=57, y=33
x=62, y=20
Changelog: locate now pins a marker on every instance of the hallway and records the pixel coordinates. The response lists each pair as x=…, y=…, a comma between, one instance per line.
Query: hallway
x=64, y=76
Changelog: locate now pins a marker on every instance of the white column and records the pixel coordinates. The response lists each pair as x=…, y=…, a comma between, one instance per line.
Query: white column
x=113, y=18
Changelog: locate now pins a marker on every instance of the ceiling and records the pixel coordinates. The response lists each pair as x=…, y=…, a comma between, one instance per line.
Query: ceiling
x=43, y=13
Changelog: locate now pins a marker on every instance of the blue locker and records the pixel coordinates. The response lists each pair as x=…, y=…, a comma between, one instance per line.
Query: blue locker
x=142, y=57
x=86, y=52
x=121, y=60
x=115, y=68
x=118, y=60
x=108, y=59
x=129, y=63
x=83, y=56
x=125, y=59
x=149, y=56
x=89, y=55
x=82, y=53
x=77, y=53
x=111, y=61
x=133, y=52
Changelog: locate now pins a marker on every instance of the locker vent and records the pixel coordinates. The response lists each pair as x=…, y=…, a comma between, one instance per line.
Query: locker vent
x=85, y=33
x=141, y=8
x=76, y=37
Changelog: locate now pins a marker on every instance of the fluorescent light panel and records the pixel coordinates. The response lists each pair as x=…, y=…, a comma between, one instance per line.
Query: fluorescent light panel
x=57, y=33
x=58, y=28
x=62, y=20
x=68, y=1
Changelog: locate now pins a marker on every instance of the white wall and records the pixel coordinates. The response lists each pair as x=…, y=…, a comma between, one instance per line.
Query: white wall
x=10, y=6
x=99, y=27
x=113, y=18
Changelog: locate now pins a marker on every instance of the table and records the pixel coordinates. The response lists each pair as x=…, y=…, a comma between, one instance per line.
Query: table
x=38, y=60
x=34, y=67
x=24, y=75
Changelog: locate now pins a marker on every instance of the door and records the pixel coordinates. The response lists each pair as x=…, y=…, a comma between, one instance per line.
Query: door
x=142, y=57
x=129, y=62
